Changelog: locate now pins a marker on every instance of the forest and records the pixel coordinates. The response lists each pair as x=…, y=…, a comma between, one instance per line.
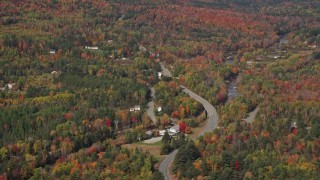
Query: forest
x=71, y=71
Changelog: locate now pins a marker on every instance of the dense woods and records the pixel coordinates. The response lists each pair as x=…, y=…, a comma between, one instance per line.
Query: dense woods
x=282, y=141
x=71, y=71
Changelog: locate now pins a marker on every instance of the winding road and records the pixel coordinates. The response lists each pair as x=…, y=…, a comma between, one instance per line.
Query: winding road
x=212, y=120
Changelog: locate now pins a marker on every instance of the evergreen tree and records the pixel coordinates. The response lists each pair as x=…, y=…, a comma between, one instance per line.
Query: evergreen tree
x=302, y=132
x=204, y=167
x=315, y=129
x=187, y=152
x=227, y=159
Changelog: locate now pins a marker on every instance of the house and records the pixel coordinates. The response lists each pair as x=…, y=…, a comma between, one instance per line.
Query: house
x=54, y=72
x=91, y=47
x=162, y=132
x=294, y=125
x=249, y=62
x=135, y=108
x=159, y=109
x=149, y=133
x=159, y=75
x=52, y=51
x=10, y=85
x=174, y=129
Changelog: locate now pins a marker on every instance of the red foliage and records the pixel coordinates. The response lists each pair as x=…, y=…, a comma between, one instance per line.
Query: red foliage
x=298, y=86
x=175, y=114
x=182, y=126
x=134, y=119
x=295, y=131
x=92, y=149
x=182, y=79
x=61, y=159
x=235, y=70
x=3, y=177
x=219, y=61
x=108, y=122
x=56, y=56
x=287, y=85
x=236, y=165
x=229, y=138
x=211, y=56
x=172, y=84
x=15, y=148
x=68, y=116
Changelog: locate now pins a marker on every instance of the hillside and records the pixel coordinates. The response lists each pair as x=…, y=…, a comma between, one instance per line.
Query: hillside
x=76, y=78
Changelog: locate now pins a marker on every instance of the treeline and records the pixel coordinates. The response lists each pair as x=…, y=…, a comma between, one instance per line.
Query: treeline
x=98, y=160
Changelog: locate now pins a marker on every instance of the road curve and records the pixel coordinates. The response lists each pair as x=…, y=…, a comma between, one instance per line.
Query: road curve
x=212, y=115
x=166, y=163
x=212, y=120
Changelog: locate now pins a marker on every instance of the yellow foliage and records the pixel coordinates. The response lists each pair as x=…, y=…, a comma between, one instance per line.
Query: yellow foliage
x=30, y=158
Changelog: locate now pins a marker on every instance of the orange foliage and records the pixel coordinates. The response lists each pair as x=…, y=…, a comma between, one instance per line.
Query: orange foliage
x=293, y=159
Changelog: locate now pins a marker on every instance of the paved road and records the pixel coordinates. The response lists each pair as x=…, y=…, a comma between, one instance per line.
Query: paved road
x=150, y=110
x=211, y=123
x=212, y=119
x=166, y=163
x=212, y=115
x=165, y=71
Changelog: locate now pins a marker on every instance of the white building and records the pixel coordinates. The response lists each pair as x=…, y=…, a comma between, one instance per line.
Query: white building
x=159, y=109
x=162, y=132
x=10, y=85
x=159, y=75
x=174, y=129
x=52, y=51
x=135, y=108
x=91, y=47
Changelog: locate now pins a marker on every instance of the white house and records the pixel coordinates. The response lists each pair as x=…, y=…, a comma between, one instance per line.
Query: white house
x=159, y=109
x=92, y=47
x=52, y=51
x=54, y=72
x=174, y=129
x=249, y=62
x=149, y=133
x=161, y=132
x=135, y=108
x=10, y=85
x=159, y=75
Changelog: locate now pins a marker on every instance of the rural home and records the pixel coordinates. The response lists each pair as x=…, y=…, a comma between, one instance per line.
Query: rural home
x=135, y=108
x=10, y=85
x=52, y=51
x=159, y=75
x=92, y=47
x=174, y=129
x=161, y=132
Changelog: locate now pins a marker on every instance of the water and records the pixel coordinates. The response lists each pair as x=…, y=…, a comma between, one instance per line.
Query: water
x=232, y=83
x=232, y=88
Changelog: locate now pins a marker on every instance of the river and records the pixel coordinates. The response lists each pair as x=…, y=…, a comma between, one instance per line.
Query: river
x=231, y=83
